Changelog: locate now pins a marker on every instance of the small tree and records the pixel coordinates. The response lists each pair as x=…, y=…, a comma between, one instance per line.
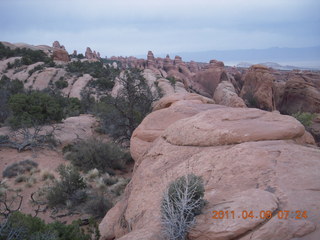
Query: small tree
x=181, y=202
x=120, y=115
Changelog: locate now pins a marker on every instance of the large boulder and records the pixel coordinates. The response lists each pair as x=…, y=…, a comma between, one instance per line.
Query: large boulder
x=205, y=82
x=301, y=94
x=60, y=55
x=225, y=94
x=248, y=160
x=258, y=87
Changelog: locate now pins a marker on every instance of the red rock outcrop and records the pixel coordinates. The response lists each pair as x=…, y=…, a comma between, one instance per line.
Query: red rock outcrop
x=205, y=82
x=225, y=94
x=59, y=52
x=150, y=60
x=301, y=93
x=258, y=87
x=248, y=160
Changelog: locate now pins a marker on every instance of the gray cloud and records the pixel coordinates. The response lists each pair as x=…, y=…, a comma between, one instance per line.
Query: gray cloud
x=126, y=27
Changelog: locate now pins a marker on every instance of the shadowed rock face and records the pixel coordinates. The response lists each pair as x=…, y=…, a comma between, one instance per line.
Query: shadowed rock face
x=59, y=52
x=258, y=83
x=249, y=160
x=301, y=94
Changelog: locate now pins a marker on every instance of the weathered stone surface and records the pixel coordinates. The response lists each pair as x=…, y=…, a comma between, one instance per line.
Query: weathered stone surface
x=60, y=55
x=205, y=82
x=250, y=201
x=225, y=94
x=168, y=100
x=231, y=126
x=157, y=121
x=261, y=169
x=258, y=87
x=301, y=94
x=41, y=79
x=80, y=83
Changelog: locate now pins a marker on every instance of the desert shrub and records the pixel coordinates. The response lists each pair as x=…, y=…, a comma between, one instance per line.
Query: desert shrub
x=251, y=100
x=70, y=187
x=28, y=56
x=61, y=84
x=121, y=115
x=97, y=205
x=8, y=88
x=172, y=80
x=21, y=178
x=95, y=69
x=94, y=153
x=37, y=68
x=21, y=226
x=181, y=202
x=18, y=168
x=305, y=118
x=34, y=107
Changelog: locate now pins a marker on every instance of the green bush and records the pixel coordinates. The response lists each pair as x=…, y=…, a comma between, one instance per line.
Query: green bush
x=181, y=202
x=94, y=153
x=305, y=118
x=18, y=168
x=21, y=226
x=28, y=56
x=95, y=69
x=34, y=108
x=8, y=88
x=172, y=80
x=37, y=68
x=70, y=188
x=97, y=205
x=61, y=84
x=121, y=115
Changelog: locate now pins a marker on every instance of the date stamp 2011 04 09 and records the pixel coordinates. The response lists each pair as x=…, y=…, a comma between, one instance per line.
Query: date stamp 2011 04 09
x=281, y=214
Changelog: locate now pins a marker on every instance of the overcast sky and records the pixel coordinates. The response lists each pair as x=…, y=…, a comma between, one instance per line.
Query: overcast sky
x=132, y=27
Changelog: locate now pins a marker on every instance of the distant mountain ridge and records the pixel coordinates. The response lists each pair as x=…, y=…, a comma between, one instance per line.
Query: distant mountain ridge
x=308, y=57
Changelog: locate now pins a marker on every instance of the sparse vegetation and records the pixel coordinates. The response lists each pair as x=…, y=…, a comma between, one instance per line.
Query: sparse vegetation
x=7, y=89
x=19, y=168
x=28, y=56
x=97, y=205
x=181, y=202
x=34, y=108
x=70, y=188
x=121, y=115
x=61, y=83
x=19, y=226
x=305, y=118
x=94, y=153
x=172, y=81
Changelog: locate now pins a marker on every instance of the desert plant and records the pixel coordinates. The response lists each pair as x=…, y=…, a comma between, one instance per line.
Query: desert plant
x=94, y=153
x=181, y=202
x=18, y=168
x=97, y=205
x=34, y=107
x=305, y=118
x=19, y=226
x=61, y=84
x=70, y=187
x=121, y=115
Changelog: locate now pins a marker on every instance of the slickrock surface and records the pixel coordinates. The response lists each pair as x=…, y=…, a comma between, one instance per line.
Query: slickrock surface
x=249, y=160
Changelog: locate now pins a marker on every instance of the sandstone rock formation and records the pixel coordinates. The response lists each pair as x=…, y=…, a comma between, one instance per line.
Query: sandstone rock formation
x=249, y=162
x=301, y=94
x=205, y=82
x=59, y=52
x=258, y=87
x=225, y=94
